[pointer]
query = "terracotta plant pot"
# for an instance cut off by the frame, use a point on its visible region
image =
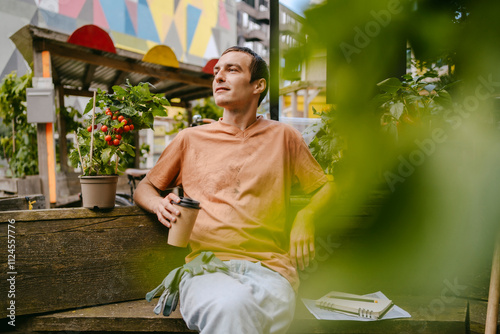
(98, 192)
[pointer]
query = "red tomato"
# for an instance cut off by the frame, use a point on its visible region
(116, 142)
(124, 121)
(131, 127)
(126, 128)
(107, 138)
(104, 128)
(110, 143)
(89, 129)
(120, 130)
(119, 137)
(120, 118)
(114, 117)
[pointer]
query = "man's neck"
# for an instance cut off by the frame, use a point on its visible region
(239, 119)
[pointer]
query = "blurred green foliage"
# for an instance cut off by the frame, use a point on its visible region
(327, 145)
(206, 109)
(435, 184)
(19, 139)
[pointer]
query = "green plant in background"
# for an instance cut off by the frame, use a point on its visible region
(180, 122)
(327, 145)
(440, 182)
(121, 114)
(412, 101)
(72, 118)
(206, 109)
(19, 142)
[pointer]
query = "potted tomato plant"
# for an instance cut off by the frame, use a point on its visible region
(104, 142)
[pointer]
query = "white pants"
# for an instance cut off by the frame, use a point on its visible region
(249, 299)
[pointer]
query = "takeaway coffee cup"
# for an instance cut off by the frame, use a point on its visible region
(179, 233)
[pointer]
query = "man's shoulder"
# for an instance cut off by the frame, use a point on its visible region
(281, 127)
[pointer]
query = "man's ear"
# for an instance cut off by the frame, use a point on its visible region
(260, 85)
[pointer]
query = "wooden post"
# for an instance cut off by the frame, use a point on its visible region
(494, 293)
(306, 102)
(45, 136)
(295, 112)
(61, 125)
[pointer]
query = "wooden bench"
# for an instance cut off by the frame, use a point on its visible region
(88, 271)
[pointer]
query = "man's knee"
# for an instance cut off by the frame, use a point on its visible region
(233, 301)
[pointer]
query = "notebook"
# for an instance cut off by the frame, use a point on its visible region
(357, 305)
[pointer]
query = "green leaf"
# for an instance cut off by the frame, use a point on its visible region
(101, 118)
(159, 111)
(390, 85)
(129, 111)
(148, 120)
(89, 106)
(407, 77)
(106, 155)
(380, 99)
(129, 149)
(118, 90)
(164, 101)
(396, 110)
(444, 99)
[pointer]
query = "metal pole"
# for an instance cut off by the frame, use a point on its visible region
(274, 59)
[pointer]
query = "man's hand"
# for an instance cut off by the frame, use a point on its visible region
(165, 211)
(302, 240)
(302, 234)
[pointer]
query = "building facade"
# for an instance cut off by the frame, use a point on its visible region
(196, 30)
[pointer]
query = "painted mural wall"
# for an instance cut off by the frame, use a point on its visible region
(196, 30)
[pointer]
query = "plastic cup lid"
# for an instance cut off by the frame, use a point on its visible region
(189, 203)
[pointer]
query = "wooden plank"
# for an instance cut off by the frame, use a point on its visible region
(138, 316)
(82, 54)
(67, 258)
(29, 186)
(22, 203)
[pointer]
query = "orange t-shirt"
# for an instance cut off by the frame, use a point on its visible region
(243, 180)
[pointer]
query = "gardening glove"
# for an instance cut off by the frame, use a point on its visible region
(205, 262)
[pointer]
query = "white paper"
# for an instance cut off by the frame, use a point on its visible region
(394, 313)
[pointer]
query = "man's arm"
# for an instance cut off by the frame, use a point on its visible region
(302, 232)
(148, 197)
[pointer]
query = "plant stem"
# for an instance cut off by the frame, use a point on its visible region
(79, 154)
(92, 131)
(116, 167)
(13, 136)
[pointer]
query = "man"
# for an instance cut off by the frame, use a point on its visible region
(242, 169)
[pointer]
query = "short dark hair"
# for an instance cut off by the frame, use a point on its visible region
(258, 67)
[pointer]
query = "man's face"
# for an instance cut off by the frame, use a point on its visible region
(231, 86)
